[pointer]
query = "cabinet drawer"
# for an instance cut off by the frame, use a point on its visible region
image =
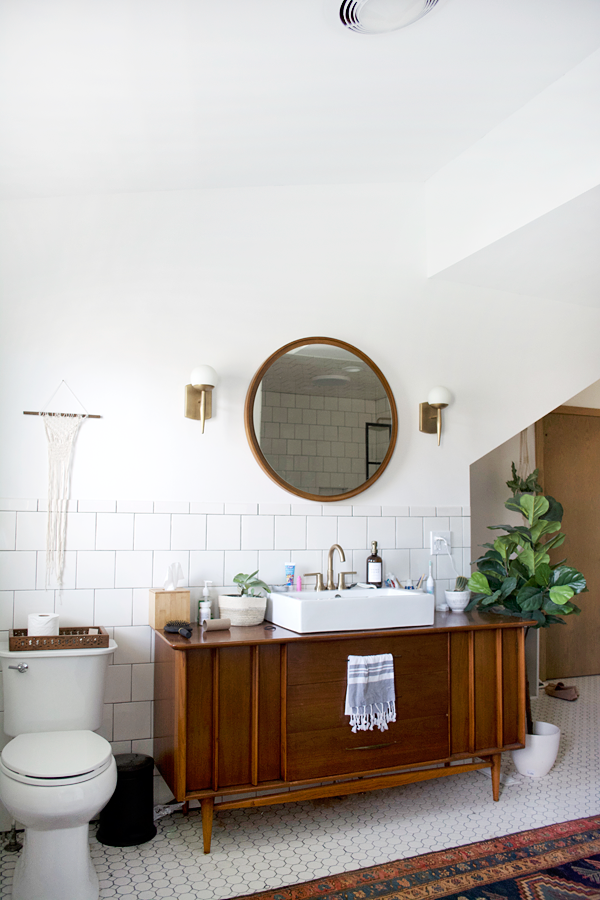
(325, 661)
(315, 708)
(337, 751)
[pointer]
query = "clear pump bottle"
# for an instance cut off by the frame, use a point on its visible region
(204, 604)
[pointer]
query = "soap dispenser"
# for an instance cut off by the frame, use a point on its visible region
(204, 604)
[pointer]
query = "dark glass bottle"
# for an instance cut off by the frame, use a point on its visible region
(374, 567)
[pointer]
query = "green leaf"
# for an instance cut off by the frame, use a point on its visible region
(555, 542)
(530, 597)
(514, 504)
(491, 554)
(479, 583)
(565, 575)
(489, 601)
(508, 587)
(505, 546)
(555, 510)
(554, 620)
(561, 594)
(533, 507)
(492, 568)
(543, 527)
(517, 569)
(241, 578)
(543, 575)
(539, 617)
(533, 559)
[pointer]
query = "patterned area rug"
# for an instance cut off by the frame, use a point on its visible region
(559, 862)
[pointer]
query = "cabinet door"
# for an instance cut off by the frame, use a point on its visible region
(233, 717)
(320, 741)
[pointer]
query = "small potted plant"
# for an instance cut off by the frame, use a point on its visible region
(458, 599)
(248, 607)
(517, 578)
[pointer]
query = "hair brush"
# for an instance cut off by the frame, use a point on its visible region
(178, 626)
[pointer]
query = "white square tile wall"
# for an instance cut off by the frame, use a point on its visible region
(117, 550)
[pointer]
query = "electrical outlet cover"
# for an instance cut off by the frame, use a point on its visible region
(436, 549)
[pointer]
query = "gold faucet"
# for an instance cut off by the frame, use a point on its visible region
(330, 585)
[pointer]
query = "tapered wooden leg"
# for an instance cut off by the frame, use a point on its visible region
(185, 808)
(207, 806)
(496, 760)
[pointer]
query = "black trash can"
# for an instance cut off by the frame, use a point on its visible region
(128, 817)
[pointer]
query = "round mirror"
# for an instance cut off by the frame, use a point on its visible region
(321, 419)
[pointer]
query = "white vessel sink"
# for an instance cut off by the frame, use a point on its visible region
(354, 609)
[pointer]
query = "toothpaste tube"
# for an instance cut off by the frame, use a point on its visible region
(290, 568)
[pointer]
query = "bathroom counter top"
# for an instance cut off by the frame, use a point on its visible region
(268, 634)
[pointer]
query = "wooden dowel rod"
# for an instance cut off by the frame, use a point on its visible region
(26, 412)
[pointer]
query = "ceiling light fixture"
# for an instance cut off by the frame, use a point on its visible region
(380, 16)
(330, 380)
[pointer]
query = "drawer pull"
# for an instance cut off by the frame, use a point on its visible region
(372, 746)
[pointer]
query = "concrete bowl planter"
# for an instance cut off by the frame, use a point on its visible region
(242, 609)
(457, 600)
(541, 749)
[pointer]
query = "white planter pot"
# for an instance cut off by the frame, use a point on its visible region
(242, 610)
(457, 600)
(540, 751)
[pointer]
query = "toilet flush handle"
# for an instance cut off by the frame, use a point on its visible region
(22, 667)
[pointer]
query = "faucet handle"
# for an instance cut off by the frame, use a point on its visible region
(342, 581)
(319, 586)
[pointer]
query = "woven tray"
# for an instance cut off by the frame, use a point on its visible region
(67, 639)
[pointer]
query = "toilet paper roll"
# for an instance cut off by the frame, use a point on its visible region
(41, 623)
(216, 624)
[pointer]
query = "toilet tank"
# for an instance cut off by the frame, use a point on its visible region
(60, 690)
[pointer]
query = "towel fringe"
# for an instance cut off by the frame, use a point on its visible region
(375, 715)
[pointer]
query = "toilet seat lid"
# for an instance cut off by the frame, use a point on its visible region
(56, 754)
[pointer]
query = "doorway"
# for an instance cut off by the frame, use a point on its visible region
(567, 443)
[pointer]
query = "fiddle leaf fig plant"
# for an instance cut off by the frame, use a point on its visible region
(248, 584)
(515, 576)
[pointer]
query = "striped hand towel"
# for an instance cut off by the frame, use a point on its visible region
(370, 692)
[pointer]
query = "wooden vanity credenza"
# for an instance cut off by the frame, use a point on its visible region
(248, 710)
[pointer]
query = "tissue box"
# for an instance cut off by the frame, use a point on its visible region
(168, 605)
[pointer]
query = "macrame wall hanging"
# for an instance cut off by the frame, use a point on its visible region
(524, 464)
(61, 431)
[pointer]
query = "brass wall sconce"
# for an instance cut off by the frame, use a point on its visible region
(198, 394)
(430, 413)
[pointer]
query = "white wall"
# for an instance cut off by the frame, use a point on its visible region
(122, 295)
(536, 160)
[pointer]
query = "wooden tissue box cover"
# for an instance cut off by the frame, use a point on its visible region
(168, 605)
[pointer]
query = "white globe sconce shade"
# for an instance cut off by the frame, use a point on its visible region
(430, 413)
(198, 394)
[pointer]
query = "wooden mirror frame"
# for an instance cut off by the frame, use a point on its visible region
(253, 440)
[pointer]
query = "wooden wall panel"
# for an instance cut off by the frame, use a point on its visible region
(235, 716)
(165, 724)
(199, 720)
(269, 713)
(461, 697)
(510, 676)
(486, 699)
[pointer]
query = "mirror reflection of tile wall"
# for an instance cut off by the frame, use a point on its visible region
(318, 444)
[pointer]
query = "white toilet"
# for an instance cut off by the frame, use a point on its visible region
(56, 773)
